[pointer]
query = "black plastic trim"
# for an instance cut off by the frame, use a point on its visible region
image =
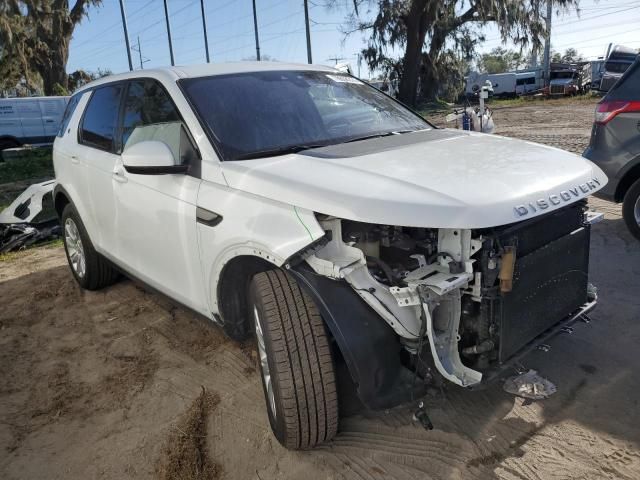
(155, 170)
(371, 349)
(203, 213)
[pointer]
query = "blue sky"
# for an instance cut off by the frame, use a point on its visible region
(98, 41)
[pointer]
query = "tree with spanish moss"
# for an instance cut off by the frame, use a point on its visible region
(433, 33)
(34, 40)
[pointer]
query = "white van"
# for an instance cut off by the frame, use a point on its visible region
(31, 120)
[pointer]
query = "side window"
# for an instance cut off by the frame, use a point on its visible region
(68, 113)
(150, 114)
(101, 117)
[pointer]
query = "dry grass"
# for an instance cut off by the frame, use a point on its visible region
(185, 456)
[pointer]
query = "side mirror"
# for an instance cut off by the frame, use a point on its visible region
(150, 157)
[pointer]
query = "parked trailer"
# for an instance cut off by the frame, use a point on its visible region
(618, 60)
(504, 84)
(528, 82)
(31, 120)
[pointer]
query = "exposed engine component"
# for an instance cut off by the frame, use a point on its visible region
(472, 298)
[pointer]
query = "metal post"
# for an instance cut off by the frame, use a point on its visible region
(166, 16)
(204, 29)
(306, 21)
(126, 34)
(140, 54)
(547, 43)
(255, 27)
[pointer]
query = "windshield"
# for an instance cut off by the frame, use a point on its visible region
(255, 114)
(562, 75)
(617, 67)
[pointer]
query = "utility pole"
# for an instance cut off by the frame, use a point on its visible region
(204, 29)
(547, 43)
(139, 50)
(306, 22)
(255, 27)
(359, 63)
(166, 17)
(126, 34)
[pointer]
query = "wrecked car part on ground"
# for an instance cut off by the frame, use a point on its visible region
(29, 219)
(464, 302)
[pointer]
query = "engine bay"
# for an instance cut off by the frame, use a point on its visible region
(473, 298)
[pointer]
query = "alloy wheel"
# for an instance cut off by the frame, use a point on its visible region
(75, 249)
(266, 374)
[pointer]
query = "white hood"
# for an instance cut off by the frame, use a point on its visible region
(433, 178)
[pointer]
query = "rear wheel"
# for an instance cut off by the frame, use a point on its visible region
(297, 368)
(90, 269)
(631, 209)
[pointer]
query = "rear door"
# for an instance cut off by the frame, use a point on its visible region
(156, 214)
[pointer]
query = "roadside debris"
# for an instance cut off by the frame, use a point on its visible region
(529, 385)
(29, 219)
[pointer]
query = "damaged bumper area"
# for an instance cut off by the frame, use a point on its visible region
(30, 219)
(464, 303)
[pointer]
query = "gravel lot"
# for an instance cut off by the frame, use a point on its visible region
(110, 384)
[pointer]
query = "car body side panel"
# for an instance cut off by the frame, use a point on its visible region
(250, 225)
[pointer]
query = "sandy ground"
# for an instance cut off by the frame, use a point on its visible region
(110, 384)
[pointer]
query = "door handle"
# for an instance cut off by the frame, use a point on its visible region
(118, 175)
(74, 160)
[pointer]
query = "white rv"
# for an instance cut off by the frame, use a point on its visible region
(504, 84)
(31, 120)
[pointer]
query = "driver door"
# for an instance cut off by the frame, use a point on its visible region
(156, 214)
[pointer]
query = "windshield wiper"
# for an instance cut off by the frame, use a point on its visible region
(274, 152)
(380, 135)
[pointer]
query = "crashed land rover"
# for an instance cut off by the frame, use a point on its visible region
(302, 206)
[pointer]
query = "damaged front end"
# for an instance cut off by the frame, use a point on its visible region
(463, 304)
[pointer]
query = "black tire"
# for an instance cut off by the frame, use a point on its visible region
(98, 272)
(299, 360)
(631, 198)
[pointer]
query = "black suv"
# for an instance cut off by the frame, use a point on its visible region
(615, 145)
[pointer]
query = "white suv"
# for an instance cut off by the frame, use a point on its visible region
(303, 205)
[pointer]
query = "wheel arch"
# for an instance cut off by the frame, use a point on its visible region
(231, 292)
(11, 138)
(60, 199)
(369, 346)
(628, 179)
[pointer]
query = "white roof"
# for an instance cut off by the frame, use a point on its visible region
(206, 69)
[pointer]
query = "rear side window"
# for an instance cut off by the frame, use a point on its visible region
(98, 128)
(150, 114)
(68, 113)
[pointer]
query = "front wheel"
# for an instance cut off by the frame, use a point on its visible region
(631, 209)
(297, 368)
